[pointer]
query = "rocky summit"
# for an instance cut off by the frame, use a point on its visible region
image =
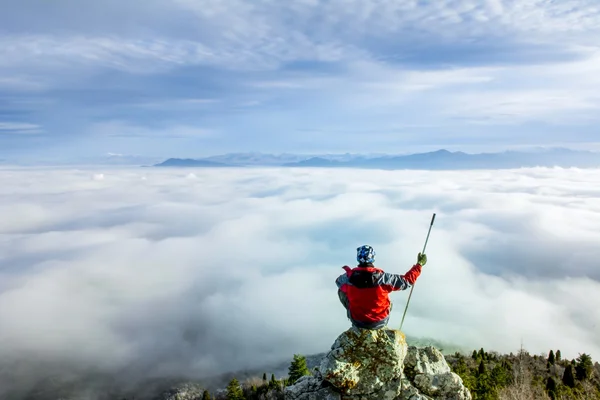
(378, 364)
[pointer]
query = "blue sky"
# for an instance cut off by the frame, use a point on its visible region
(194, 78)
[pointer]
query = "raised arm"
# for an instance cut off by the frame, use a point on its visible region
(394, 282)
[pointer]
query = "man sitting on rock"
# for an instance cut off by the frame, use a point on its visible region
(364, 290)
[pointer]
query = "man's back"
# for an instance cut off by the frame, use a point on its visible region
(364, 289)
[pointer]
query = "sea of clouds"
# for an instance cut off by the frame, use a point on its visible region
(147, 272)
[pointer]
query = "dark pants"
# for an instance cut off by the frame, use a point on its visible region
(363, 325)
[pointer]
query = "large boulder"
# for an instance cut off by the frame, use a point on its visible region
(311, 388)
(428, 371)
(363, 361)
(378, 364)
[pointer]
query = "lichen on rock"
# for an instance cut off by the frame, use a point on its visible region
(310, 388)
(430, 373)
(362, 361)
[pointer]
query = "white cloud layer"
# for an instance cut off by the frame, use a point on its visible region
(149, 272)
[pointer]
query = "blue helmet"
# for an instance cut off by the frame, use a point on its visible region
(365, 254)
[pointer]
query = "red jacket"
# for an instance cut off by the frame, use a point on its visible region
(367, 288)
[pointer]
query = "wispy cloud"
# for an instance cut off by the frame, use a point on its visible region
(124, 129)
(176, 104)
(264, 34)
(19, 128)
(142, 56)
(344, 64)
(346, 19)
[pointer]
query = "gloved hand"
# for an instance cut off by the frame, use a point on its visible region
(422, 259)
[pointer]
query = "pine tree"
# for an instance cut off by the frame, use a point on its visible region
(265, 377)
(484, 387)
(584, 367)
(234, 390)
(206, 395)
(551, 387)
(569, 377)
(551, 358)
(474, 356)
(273, 384)
(297, 368)
(482, 369)
(502, 374)
(461, 367)
(558, 356)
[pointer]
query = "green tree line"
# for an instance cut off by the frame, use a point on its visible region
(488, 375)
(258, 390)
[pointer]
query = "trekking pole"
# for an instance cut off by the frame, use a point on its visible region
(413, 286)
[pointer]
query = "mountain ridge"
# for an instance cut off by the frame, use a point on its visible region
(441, 159)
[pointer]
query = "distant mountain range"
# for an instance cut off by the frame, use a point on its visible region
(436, 160)
(188, 162)
(258, 159)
